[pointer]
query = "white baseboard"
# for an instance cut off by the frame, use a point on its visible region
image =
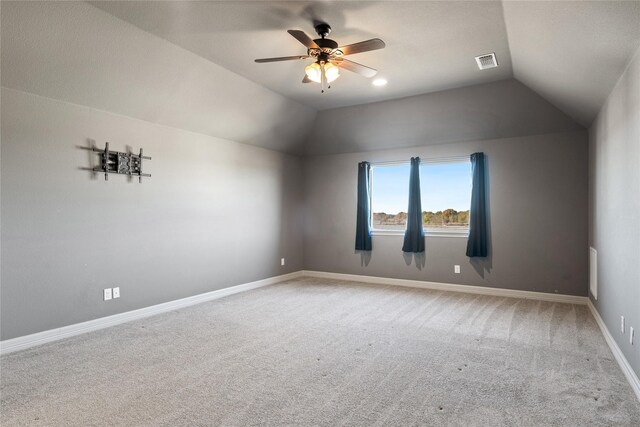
(512, 293)
(627, 370)
(32, 340)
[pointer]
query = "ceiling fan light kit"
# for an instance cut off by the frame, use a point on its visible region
(315, 71)
(328, 56)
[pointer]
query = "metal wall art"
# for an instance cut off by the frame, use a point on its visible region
(120, 163)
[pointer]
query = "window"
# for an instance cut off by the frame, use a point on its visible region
(445, 193)
(389, 196)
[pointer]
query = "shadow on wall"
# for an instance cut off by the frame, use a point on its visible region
(418, 258)
(484, 265)
(91, 157)
(365, 257)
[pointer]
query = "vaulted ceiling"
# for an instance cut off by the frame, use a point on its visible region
(430, 45)
(191, 65)
(570, 52)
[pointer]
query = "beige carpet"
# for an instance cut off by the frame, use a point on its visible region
(316, 352)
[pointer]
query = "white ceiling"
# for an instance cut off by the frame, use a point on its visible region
(430, 45)
(571, 52)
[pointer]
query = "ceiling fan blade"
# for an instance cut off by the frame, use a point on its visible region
(364, 46)
(306, 79)
(363, 70)
(303, 38)
(282, 58)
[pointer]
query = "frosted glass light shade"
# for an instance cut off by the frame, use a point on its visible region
(314, 73)
(331, 72)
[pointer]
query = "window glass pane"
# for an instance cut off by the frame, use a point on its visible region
(389, 197)
(445, 192)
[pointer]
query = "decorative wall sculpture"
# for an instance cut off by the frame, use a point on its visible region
(120, 163)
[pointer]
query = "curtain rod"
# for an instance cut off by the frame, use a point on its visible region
(450, 159)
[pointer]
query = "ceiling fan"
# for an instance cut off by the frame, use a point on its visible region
(328, 57)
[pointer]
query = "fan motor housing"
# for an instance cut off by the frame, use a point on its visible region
(326, 43)
(323, 29)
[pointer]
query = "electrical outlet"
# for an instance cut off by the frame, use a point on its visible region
(631, 335)
(281, 261)
(116, 292)
(456, 269)
(622, 324)
(107, 294)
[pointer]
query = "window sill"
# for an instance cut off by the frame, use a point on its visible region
(427, 233)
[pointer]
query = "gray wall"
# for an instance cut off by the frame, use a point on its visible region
(486, 111)
(614, 231)
(214, 214)
(538, 209)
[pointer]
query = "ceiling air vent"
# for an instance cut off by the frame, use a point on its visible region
(487, 61)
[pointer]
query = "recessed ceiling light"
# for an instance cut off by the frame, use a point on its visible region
(379, 82)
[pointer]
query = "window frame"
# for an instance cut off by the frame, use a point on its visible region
(427, 232)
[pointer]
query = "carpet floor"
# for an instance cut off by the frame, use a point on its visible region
(316, 352)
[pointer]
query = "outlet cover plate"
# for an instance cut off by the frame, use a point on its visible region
(107, 294)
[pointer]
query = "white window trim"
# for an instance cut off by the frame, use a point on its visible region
(428, 232)
(451, 159)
